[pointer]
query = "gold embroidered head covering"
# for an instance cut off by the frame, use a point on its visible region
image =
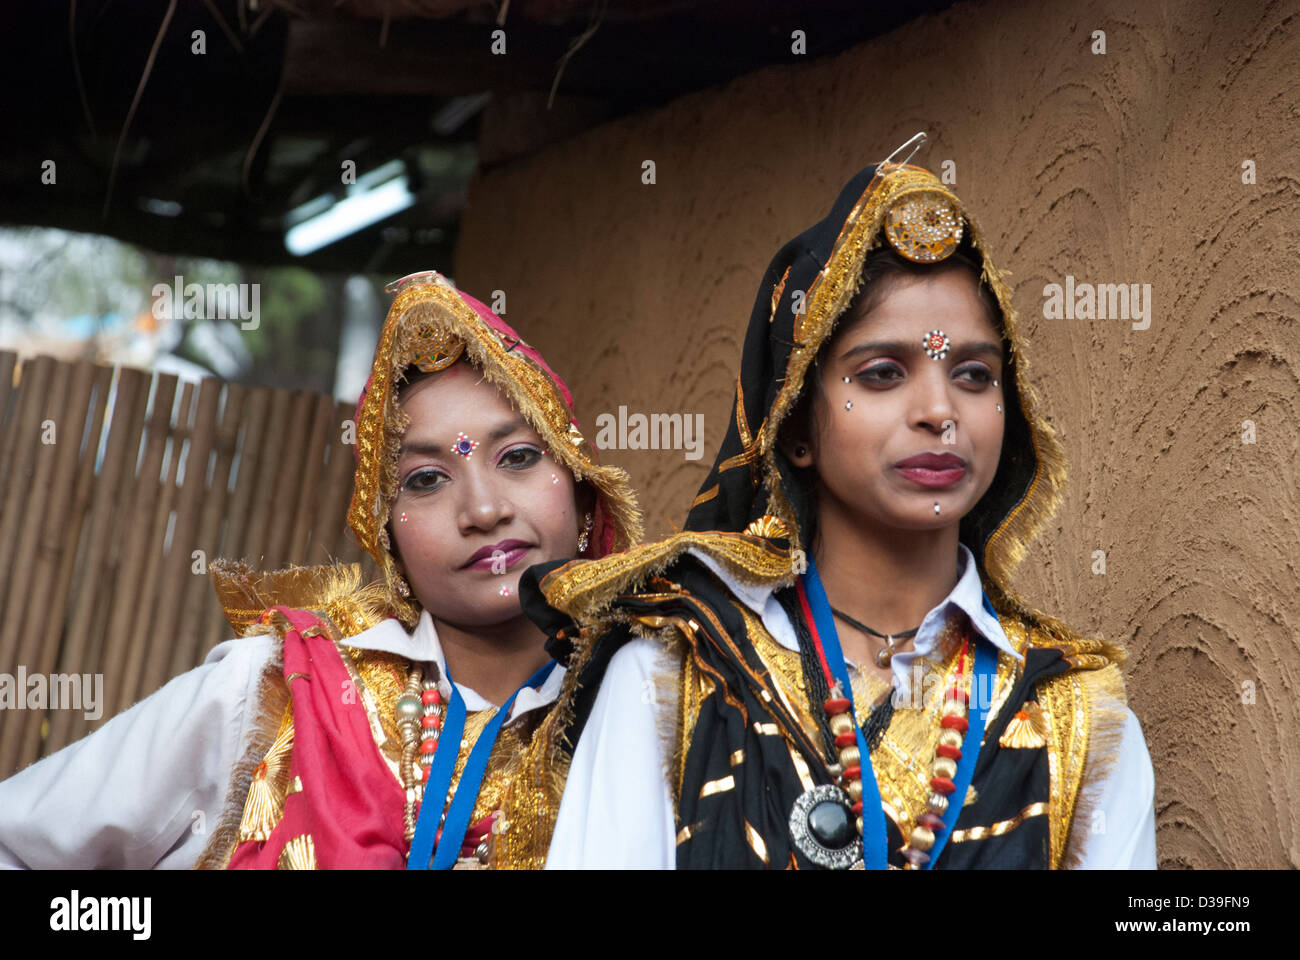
(431, 325)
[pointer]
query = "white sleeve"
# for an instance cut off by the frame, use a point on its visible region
(147, 788)
(617, 811)
(1123, 837)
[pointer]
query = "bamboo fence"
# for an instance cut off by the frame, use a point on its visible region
(116, 493)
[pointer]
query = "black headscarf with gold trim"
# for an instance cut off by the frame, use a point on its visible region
(807, 288)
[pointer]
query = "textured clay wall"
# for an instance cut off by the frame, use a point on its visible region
(1122, 167)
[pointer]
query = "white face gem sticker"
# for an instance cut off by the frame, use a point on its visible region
(554, 479)
(403, 516)
(936, 506)
(504, 591)
(995, 383)
(848, 405)
(999, 408)
(848, 380)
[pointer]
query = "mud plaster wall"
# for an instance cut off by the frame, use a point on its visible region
(1125, 167)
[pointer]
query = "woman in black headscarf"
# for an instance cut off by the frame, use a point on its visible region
(828, 666)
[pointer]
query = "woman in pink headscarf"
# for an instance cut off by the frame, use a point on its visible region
(354, 726)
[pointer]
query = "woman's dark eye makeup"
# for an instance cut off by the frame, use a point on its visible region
(519, 457)
(889, 371)
(423, 480)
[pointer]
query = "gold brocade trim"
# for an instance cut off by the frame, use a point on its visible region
(684, 834)
(1001, 827)
(585, 588)
(742, 422)
(755, 840)
(706, 496)
(743, 459)
(721, 785)
(1066, 710)
(381, 421)
(380, 679)
(801, 767)
(737, 758)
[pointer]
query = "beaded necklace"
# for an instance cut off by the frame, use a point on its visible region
(820, 821)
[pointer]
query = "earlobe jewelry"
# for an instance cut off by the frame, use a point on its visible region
(936, 344)
(464, 445)
(585, 536)
(402, 588)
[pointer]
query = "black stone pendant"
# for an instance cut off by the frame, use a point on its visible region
(831, 824)
(823, 828)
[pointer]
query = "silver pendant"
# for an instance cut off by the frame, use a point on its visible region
(836, 846)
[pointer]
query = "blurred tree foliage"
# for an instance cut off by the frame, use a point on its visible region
(50, 278)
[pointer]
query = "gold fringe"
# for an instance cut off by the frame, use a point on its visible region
(1104, 689)
(333, 589)
(272, 701)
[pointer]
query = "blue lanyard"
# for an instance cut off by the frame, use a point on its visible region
(471, 779)
(875, 852)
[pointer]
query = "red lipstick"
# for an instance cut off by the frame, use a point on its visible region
(933, 470)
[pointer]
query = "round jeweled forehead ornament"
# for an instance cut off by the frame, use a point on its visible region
(936, 344)
(436, 348)
(464, 445)
(924, 227)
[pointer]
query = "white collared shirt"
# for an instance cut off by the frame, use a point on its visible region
(145, 790)
(617, 809)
